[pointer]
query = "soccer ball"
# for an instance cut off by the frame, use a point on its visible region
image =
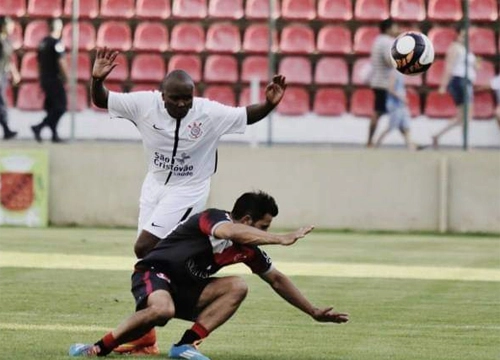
(412, 53)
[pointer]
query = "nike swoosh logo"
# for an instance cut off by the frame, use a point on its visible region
(156, 127)
(155, 225)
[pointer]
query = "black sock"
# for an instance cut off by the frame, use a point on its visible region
(103, 350)
(189, 337)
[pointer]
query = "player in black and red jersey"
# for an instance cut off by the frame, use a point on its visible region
(175, 278)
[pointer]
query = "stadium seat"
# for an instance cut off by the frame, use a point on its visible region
(187, 37)
(485, 73)
(362, 102)
(256, 39)
(297, 39)
(408, 10)
(255, 67)
(439, 105)
(225, 9)
(295, 103)
(150, 36)
(88, 9)
(9, 96)
(34, 32)
(483, 10)
(246, 96)
(482, 41)
(298, 10)
(121, 72)
(30, 97)
(330, 102)
(29, 66)
(189, 9)
(334, 10)
(17, 36)
(117, 9)
(221, 93)
(221, 69)
(331, 71)
(413, 102)
(441, 38)
(86, 36)
(189, 63)
(152, 9)
(82, 97)
(13, 8)
(334, 39)
(358, 69)
(435, 72)
(144, 87)
(223, 38)
(83, 65)
(414, 80)
(259, 9)
(484, 105)
(444, 10)
(364, 38)
(371, 10)
(147, 67)
(296, 69)
(114, 35)
(44, 8)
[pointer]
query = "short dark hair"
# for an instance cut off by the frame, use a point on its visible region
(255, 204)
(385, 25)
(3, 22)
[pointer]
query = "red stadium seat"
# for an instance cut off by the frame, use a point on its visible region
(34, 32)
(82, 97)
(9, 96)
(295, 103)
(221, 69)
(117, 9)
(88, 9)
(45, 8)
(358, 69)
(189, 63)
(297, 39)
(364, 38)
(189, 9)
(221, 93)
(30, 97)
(335, 10)
(485, 73)
(298, 9)
(256, 39)
(483, 10)
(148, 67)
(296, 69)
(144, 87)
(408, 10)
(255, 67)
(153, 9)
(13, 8)
(83, 65)
(435, 72)
(371, 10)
(414, 80)
(246, 96)
(439, 105)
(17, 36)
(444, 10)
(441, 38)
(114, 35)
(223, 38)
(86, 36)
(121, 72)
(362, 102)
(334, 39)
(187, 37)
(413, 102)
(482, 41)
(331, 71)
(259, 9)
(225, 9)
(330, 102)
(29, 66)
(150, 36)
(484, 105)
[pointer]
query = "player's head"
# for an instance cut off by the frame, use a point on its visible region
(460, 29)
(389, 27)
(256, 209)
(6, 25)
(55, 27)
(177, 91)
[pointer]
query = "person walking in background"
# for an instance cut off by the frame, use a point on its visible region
(381, 67)
(495, 86)
(6, 67)
(454, 81)
(53, 75)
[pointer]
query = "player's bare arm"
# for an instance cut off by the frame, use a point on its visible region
(104, 63)
(248, 235)
(274, 93)
(285, 288)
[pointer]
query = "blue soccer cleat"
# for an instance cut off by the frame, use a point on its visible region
(186, 351)
(83, 350)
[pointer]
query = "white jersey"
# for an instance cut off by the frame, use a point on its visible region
(180, 152)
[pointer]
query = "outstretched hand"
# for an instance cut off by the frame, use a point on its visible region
(275, 90)
(291, 238)
(329, 315)
(104, 63)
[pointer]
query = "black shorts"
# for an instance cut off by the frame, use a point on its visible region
(184, 293)
(380, 100)
(456, 88)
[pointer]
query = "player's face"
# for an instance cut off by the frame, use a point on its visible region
(263, 224)
(178, 99)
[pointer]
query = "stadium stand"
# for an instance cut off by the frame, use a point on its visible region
(413, 101)
(189, 63)
(414, 80)
(255, 67)
(88, 9)
(482, 41)
(439, 105)
(408, 10)
(150, 36)
(14, 8)
(83, 66)
(34, 32)
(259, 9)
(29, 66)
(441, 38)
(221, 69)
(189, 9)
(483, 10)
(9, 96)
(223, 37)
(433, 75)
(484, 105)
(82, 97)
(221, 93)
(148, 68)
(302, 10)
(357, 70)
(362, 102)
(485, 73)
(226, 9)
(364, 38)
(245, 96)
(17, 36)
(330, 102)
(331, 71)
(297, 39)
(329, 10)
(30, 97)
(187, 37)
(86, 35)
(256, 39)
(153, 9)
(334, 39)
(117, 9)
(371, 10)
(144, 87)
(121, 72)
(44, 8)
(444, 10)
(114, 35)
(295, 103)
(296, 69)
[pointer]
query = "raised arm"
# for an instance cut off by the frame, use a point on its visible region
(274, 93)
(104, 63)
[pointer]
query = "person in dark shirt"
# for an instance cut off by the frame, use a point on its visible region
(53, 74)
(175, 279)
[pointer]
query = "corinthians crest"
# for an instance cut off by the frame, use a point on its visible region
(195, 130)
